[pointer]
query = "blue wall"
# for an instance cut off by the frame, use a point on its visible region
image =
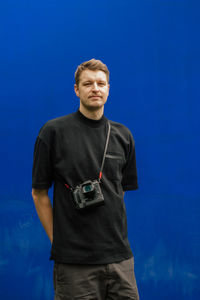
(152, 50)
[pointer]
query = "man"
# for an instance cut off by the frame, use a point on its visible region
(92, 162)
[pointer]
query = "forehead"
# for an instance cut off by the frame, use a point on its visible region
(93, 75)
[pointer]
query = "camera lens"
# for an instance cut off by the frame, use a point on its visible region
(87, 188)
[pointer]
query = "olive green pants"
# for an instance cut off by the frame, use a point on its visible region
(95, 282)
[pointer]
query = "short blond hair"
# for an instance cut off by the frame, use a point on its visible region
(94, 65)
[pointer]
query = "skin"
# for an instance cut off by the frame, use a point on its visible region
(44, 210)
(93, 91)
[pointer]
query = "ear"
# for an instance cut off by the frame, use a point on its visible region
(76, 90)
(108, 88)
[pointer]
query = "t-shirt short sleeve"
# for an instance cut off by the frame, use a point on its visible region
(42, 173)
(129, 179)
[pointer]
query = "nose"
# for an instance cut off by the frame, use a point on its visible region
(95, 87)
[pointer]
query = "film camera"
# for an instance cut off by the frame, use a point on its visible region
(88, 194)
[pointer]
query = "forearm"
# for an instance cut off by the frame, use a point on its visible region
(44, 210)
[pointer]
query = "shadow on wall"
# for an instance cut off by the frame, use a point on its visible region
(25, 270)
(165, 242)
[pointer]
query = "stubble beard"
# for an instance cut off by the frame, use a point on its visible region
(92, 108)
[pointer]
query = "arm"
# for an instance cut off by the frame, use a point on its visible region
(44, 210)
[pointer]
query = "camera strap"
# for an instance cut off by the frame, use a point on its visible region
(102, 164)
(105, 150)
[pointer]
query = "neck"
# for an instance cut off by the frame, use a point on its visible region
(92, 114)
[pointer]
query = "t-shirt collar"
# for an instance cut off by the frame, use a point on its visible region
(90, 122)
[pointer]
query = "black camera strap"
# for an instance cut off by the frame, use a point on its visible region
(103, 160)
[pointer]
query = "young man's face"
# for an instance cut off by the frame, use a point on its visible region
(93, 89)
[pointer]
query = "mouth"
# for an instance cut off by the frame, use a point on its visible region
(94, 96)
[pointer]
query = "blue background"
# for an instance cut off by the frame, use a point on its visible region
(152, 51)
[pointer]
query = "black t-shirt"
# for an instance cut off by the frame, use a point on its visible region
(71, 148)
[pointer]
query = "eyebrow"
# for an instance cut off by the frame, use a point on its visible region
(90, 80)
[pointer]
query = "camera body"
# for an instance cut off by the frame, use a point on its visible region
(88, 194)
